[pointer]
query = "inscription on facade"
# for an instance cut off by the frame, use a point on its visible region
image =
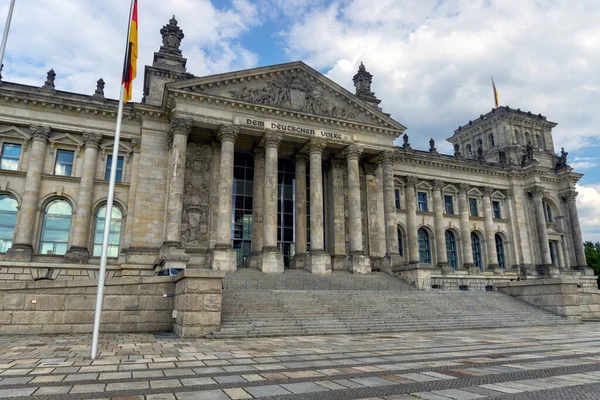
(293, 128)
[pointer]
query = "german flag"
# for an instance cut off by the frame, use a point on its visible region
(495, 92)
(130, 67)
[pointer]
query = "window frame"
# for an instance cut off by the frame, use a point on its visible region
(108, 165)
(400, 241)
(451, 197)
(5, 143)
(421, 203)
(426, 249)
(44, 225)
(12, 213)
(397, 198)
(473, 200)
(452, 261)
(476, 249)
(500, 250)
(63, 150)
(496, 211)
(548, 213)
(93, 238)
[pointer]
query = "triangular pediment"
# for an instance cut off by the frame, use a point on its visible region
(66, 139)
(293, 87)
(14, 132)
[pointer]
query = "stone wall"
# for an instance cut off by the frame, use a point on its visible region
(142, 304)
(573, 298)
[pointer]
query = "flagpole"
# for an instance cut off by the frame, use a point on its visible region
(6, 29)
(108, 215)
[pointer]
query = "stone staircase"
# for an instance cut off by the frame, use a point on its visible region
(252, 313)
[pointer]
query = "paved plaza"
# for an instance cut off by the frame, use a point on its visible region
(556, 362)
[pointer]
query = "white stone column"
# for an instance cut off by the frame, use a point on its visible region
(271, 258)
(319, 262)
(389, 209)
(537, 192)
(488, 224)
(561, 254)
(356, 261)
(258, 206)
(79, 245)
(438, 221)
(411, 220)
(337, 207)
(215, 182)
(374, 213)
(22, 248)
(223, 256)
(465, 229)
(515, 250)
(570, 198)
(299, 260)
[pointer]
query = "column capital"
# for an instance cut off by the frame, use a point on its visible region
(370, 168)
(40, 132)
(228, 133)
(316, 146)
(487, 191)
(300, 158)
(91, 139)
(463, 188)
(272, 139)
(569, 196)
(438, 184)
(411, 181)
(258, 151)
(536, 191)
(353, 151)
(181, 126)
(136, 144)
(388, 157)
(510, 194)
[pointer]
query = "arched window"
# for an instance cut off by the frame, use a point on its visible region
(8, 219)
(400, 247)
(492, 141)
(424, 250)
(538, 141)
(451, 249)
(114, 238)
(56, 227)
(476, 245)
(500, 251)
(547, 212)
(479, 145)
(518, 137)
(469, 151)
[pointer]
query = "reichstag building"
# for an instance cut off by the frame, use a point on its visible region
(273, 168)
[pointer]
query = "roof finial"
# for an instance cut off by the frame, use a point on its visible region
(171, 36)
(362, 83)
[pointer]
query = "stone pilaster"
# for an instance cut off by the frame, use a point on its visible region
(488, 225)
(356, 261)
(570, 198)
(392, 257)
(78, 252)
(465, 229)
(172, 253)
(319, 262)
(438, 221)
(411, 220)
(223, 256)
(337, 230)
(133, 185)
(258, 206)
(22, 248)
(299, 259)
(271, 258)
(537, 193)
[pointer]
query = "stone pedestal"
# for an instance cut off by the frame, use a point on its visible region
(319, 263)
(473, 269)
(19, 252)
(223, 259)
(445, 268)
(390, 261)
(77, 254)
(547, 270)
(271, 261)
(583, 270)
(298, 261)
(254, 260)
(358, 264)
(172, 255)
(418, 274)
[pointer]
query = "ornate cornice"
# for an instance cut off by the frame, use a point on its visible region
(272, 139)
(228, 132)
(91, 139)
(40, 132)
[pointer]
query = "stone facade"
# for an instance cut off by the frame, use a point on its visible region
(502, 204)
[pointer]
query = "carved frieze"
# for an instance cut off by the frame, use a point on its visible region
(196, 196)
(294, 92)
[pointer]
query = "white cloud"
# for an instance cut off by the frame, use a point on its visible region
(588, 204)
(84, 40)
(432, 60)
(580, 163)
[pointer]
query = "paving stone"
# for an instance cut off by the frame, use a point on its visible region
(458, 394)
(166, 396)
(266, 391)
(229, 379)
(203, 395)
(305, 387)
(8, 393)
(88, 388)
(49, 390)
(237, 394)
(165, 383)
(372, 381)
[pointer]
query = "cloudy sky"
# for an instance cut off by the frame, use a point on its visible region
(431, 59)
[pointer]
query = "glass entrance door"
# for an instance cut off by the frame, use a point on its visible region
(243, 179)
(286, 206)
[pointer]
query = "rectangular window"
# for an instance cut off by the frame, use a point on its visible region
(496, 209)
(473, 208)
(120, 160)
(397, 197)
(448, 204)
(422, 199)
(64, 162)
(10, 156)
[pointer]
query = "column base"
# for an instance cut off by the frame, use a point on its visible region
(472, 268)
(172, 255)
(358, 264)
(418, 275)
(548, 270)
(390, 261)
(223, 258)
(271, 261)
(19, 252)
(254, 260)
(445, 268)
(319, 263)
(298, 261)
(77, 254)
(584, 270)
(337, 262)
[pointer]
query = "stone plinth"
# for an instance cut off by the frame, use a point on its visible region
(390, 261)
(418, 274)
(271, 261)
(319, 263)
(172, 255)
(358, 264)
(223, 259)
(298, 261)
(197, 302)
